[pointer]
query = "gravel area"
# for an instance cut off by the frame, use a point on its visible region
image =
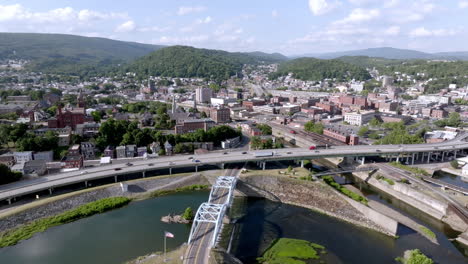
(135, 188)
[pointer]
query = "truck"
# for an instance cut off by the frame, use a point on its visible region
(262, 154)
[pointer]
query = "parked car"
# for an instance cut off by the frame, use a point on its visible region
(129, 164)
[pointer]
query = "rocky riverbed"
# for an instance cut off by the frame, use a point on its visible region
(172, 218)
(136, 189)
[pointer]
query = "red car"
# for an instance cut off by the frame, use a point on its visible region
(292, 132)
(311, 147)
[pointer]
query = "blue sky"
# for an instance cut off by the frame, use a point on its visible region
(290, 27)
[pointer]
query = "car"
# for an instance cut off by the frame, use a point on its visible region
(436, 147)
(245, 152)
(151, 164)
(195, 160)
(225, 153)
(171, 163)
(312, 147)
(129, 164)
(117, 169)
(190, 158)
(289, 152)
(378, 150)
(317, 151)
(83, 172)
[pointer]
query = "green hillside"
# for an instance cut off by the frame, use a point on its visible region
(312, 69)
(184, 61)
(69, 54)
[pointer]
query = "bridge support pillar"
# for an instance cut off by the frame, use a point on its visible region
(222, 166)
(9, 200)
(429, 157)
(170, 171)
(86, 184)
(412, 160)
(263, 165)
(398, 158)
(363, 160)
(302, 163)
(50, 191)
(443, 154)
(115, 178)
(144, 174)
(196, 168)
(455, 154)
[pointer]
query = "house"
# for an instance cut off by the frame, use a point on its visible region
(109, 152)
(72, 162)
(130, 151)
(141, 151)
(7, 159)
(155, 147)
(35, 167)
(47, 156)
(168, 148)
(121, 152)
(18, 167)
(88, 150)
(22, 157)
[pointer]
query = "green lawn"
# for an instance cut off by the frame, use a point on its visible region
(291, 251)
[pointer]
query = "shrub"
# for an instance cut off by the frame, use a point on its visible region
(188, 214)
(330, 181)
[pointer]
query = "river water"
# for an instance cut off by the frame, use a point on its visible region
(113, 237)
(264, 221)
(450, 178)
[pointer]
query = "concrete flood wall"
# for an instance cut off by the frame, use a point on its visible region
(317, 196)
(405, 193)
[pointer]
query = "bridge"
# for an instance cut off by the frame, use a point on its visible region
(209, 219)
(410, 153)
(344, 170)
(445, 185)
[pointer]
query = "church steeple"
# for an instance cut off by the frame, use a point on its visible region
(80, 99)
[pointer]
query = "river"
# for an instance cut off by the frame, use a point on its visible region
(263, 221)
(112, 237)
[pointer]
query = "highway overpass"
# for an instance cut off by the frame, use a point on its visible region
(422, 152)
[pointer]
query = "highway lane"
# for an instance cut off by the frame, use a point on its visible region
(182, 161)
(199, 248)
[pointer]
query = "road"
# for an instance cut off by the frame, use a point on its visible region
(181, 161)
(199, 249)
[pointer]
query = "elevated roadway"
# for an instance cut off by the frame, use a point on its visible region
(422, 151)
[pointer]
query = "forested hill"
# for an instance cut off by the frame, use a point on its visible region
(69, 54)
(311, 69)
(184, 61)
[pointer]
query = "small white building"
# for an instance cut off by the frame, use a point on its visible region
(22, 157)
(359, 118)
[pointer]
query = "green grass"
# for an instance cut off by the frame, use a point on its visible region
(195, 187)
(291, 251)
(330, 181)
(13, 236)
(414, 256)
(414, 170)
(389, 181)
(427, 231)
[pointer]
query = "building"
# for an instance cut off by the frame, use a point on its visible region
(109, 152)
(35, 168)
(359, 118)
(231, 143)
(290, 109)
(130, 151)
(387, 81)
(220, 115)
(121, 152)
(357, 86)
(168, 148)
(189, 126)
(47, 156)
(142, 151)
(88, 150)
(72, 162)
(22, 157)
(249, 104)
(203, 95)
(70, 117)
(74, 150)
(155, 147)
(439, 113)
(439, 136)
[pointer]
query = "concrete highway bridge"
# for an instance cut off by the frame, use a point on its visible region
(411, 153)
(209, 219)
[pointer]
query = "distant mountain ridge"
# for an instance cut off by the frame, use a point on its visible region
(391, 53)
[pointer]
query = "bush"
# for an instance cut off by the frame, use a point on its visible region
(195, 187)
(414, 170)
(188, 214)
(12, 237)
(330, 181)
(454, 164)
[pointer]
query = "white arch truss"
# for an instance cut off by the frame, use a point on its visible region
(226, 182)
(209, 213)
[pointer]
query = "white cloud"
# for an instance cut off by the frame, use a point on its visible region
(463, 4)
(274, 13)
(392, 31)
(423, 32)
(205, 20)
(359, 15)
(185, 10)
(126, 27)
(154, 29)
(320, 7)
(391, 3)
(90, 15)
(182, 40)
(239, 31)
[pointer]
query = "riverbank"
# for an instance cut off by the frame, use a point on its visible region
(137, 189)
(314, 195)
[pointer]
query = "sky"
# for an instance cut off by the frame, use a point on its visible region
(291, 27)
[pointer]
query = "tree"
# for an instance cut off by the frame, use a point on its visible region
(363, 131)
(266, 129)
(203, 115)
(375, 122)
(8, 176)
(188, 214)
(454, 164)
(314, 127)
(97, 115)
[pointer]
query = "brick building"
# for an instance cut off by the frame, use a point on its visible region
(220, 115)
(188, 126)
